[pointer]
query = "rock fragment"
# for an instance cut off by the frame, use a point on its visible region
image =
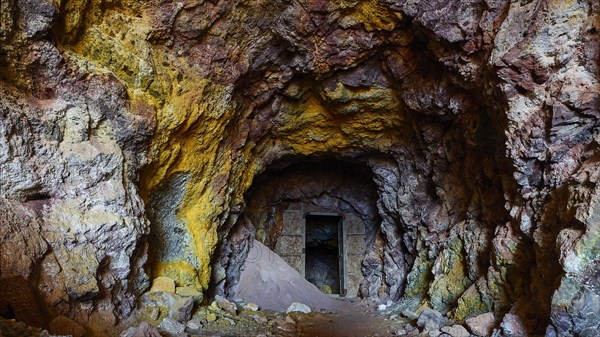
(163, 284)
(225, 305)
(430, 319)
(194, 327)
(512, 326)
(482, 325)
(298, 307)
(456, 331)
(170, 325)
(142, 330)
(181, 310)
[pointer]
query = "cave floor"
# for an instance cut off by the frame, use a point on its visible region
(353, 319)
(359, 319)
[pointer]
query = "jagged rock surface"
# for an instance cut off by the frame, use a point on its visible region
(129, 128)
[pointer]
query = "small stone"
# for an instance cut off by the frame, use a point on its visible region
(326, 289)
(152, 312)
(62, 325)
(226, 305)
(163, 284)
(194, 327)
(261, 335)
(456, 331)
(129, 332)
(194, 324)
(189, 291)
(550, 331)
(430, 319)
(251, 306)
(382, 307)
(434, 333)
(410, 314)
(211, 317)
(143, 330)
(171, 326)
(400, 332)
(409, 328)
(259, 318)
(181, 310)
(298, 307)
(512, 326)
(394, 317)
(482, 325)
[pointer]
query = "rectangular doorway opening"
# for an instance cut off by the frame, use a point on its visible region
(324, 253)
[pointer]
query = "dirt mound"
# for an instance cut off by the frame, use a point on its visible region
(270, 282)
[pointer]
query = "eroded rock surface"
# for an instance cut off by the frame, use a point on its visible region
(131, 133)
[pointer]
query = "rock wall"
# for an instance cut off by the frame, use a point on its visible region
(130, 128)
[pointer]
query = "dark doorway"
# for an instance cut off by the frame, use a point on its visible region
(324, 253)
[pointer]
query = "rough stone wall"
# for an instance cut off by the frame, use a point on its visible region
(479, 118)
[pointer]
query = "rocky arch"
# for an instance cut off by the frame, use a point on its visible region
(487, 112)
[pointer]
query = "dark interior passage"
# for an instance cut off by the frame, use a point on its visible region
(323, 249)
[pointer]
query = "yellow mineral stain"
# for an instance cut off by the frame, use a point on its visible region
(181, 271)
(190, 115)
(375, 16)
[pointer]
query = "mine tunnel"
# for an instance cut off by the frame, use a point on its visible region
(299, 168)
(320, 216)
(324, 252)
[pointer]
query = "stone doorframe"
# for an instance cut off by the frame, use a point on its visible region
(291, 243)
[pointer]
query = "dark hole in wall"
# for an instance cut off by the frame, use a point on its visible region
(37, 200)
(19, 300)
(9, 312)
(39, 196)
(323, 252)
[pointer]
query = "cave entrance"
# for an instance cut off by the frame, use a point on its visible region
(284, 205)
(324, 252)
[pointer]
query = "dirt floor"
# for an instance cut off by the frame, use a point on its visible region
(354, 319)
(358, 319)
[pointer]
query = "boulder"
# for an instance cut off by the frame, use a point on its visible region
(456, 331)
(225, 305)
(481, 325)
(189, 291)
(512, 326)
(163, 284)
(142, 330)
(298, 307)
(251, 306)
(181, 310)
(171, 326)
(194, 327)
(430, 319)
